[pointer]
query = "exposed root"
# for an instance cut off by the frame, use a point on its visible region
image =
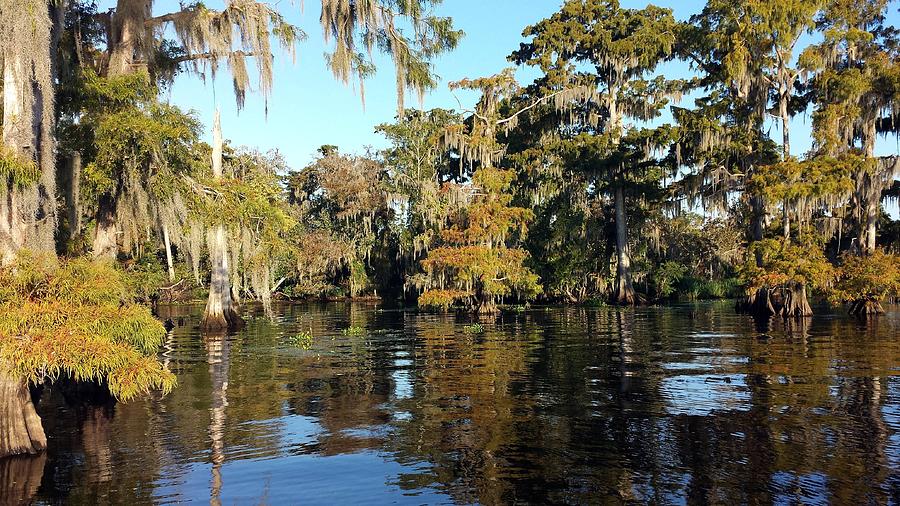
(228, 319)
(866, 307)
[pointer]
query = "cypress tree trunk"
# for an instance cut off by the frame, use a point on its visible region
(796, 303)
(220, 310)
(70, 181)
(20, 427)
(126, 36)
(168, 244)
(758, 304)
(624, 292)
(126, 33)
(868, 188)
(866, 307)
(105, 231)
(27, 214)
(872, 205)
(786, 225)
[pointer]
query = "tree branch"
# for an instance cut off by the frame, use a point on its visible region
(205, 56)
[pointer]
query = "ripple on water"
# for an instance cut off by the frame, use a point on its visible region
(689, 404)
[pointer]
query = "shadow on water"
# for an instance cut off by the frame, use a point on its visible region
(558, 405)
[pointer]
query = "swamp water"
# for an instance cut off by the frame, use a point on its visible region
(559, 405)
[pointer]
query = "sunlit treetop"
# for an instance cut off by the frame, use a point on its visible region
(872, 277)
(856, 76)
(782, 264)
(599, 55)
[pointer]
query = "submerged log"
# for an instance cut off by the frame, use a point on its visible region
(21, 431)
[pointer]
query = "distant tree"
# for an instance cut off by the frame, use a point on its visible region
(418, 163)
(855, 89)
(240, 205)
(474, 264)
(604, 54)
(865, 282)
(779, 281)
(341, 202)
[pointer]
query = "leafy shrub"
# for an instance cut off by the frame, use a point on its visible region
(76, 319)
(302, 340)
(354, 331)
(475, 328)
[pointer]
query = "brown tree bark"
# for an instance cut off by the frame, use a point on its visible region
(70, 187)
(795, 302)
(105, 244)
(866, 307)
(624, 291)
(220, 310)
(28, 214)
(21, 431)
(127, 37)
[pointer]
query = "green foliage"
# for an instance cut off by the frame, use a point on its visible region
(666, 277)
(144, 277)
(303, 340)
(871, 277)
(147, 144)
(806, 181)
(354, 331)
(417, 162)
(21, 172)
(773, 263)
(475, 328)
(77, 319)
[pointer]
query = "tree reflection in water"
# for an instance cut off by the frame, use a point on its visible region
(678, 404)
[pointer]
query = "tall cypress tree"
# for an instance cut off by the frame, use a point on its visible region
(605, 54)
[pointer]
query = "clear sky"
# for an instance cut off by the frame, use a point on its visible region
(308, 108)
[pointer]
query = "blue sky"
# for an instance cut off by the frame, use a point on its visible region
(308, 108)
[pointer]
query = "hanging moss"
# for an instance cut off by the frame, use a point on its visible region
(21, 172)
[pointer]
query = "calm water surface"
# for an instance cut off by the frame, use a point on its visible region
(689, 404)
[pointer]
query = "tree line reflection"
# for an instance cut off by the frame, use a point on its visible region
(563, 405)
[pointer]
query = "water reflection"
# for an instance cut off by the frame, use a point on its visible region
(660, 405)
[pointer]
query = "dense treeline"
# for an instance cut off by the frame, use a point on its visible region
(603, 180)
(93, 164)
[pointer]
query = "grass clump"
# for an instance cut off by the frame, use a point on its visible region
(302, 340)
(354, 331)
(475, 328)
(76, 319)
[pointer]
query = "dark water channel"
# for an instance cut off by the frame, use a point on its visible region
(687, 404)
